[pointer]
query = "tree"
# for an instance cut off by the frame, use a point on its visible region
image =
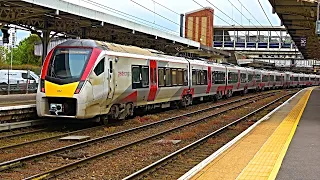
(3, 54)
(24, 53)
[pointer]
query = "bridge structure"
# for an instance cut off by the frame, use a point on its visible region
(255, 39)
(48, 18)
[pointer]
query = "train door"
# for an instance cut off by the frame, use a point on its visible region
(110, 77)
(98, 80)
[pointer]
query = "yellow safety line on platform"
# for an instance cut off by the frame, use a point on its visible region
(266, 163)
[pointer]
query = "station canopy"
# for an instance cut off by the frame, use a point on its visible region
(74, 20)
(299, 17)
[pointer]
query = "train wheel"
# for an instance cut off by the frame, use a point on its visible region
(104, 120)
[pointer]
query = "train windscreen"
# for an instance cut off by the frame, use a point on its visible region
(67, 64)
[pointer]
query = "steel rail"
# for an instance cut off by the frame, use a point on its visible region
(75, 164)
(198, 142)
(22, 133)
(48, 138)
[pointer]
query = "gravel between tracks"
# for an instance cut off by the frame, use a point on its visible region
(35, 148)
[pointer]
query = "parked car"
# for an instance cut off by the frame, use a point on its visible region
(18, 77)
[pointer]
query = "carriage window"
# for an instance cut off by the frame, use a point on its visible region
(265, 78)
(174, 76)
(219, 77)
(198, 77)
(99, 69)
(168, 77)
(272, 78)
(185, 75)
(296, 78)
(136, 74)
(243, 78)
(250, 77)
(232, 77)
(278, 78)
(213, 78)
(205, 77)
(145, 76)
(194, 77)
(140, 77)
(161, 77)
(180, 77)
(258, 77)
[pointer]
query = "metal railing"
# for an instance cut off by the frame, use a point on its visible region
(18, 88)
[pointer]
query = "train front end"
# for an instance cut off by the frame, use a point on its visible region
(64, 90)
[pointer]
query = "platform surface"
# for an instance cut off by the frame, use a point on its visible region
(302, 160)
(17, 99)
(259, 154)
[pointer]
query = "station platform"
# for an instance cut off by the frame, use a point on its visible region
(283, 145)
(17, 99)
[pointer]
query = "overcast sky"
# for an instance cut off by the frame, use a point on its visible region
(172, 20)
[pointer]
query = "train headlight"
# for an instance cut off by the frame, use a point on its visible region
(77, 91)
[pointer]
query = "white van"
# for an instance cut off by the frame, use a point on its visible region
(17, 77)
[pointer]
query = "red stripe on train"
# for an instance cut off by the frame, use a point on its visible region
(209, 80)
(94, 55)
(153, 81)
(46, 64)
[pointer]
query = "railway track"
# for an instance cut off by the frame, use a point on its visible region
(53, 171)
(194, 152)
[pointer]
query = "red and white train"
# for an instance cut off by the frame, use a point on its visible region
(91, 79)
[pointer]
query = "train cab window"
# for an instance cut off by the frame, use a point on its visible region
(243, 78)
(174, 77)
(161, 77)
(180, 78)
(140, 77)
(99, 69)
(168, 77)
(194, 77)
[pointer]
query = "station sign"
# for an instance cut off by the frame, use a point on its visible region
(303, 41)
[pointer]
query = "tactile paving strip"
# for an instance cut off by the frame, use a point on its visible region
(266, 163)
